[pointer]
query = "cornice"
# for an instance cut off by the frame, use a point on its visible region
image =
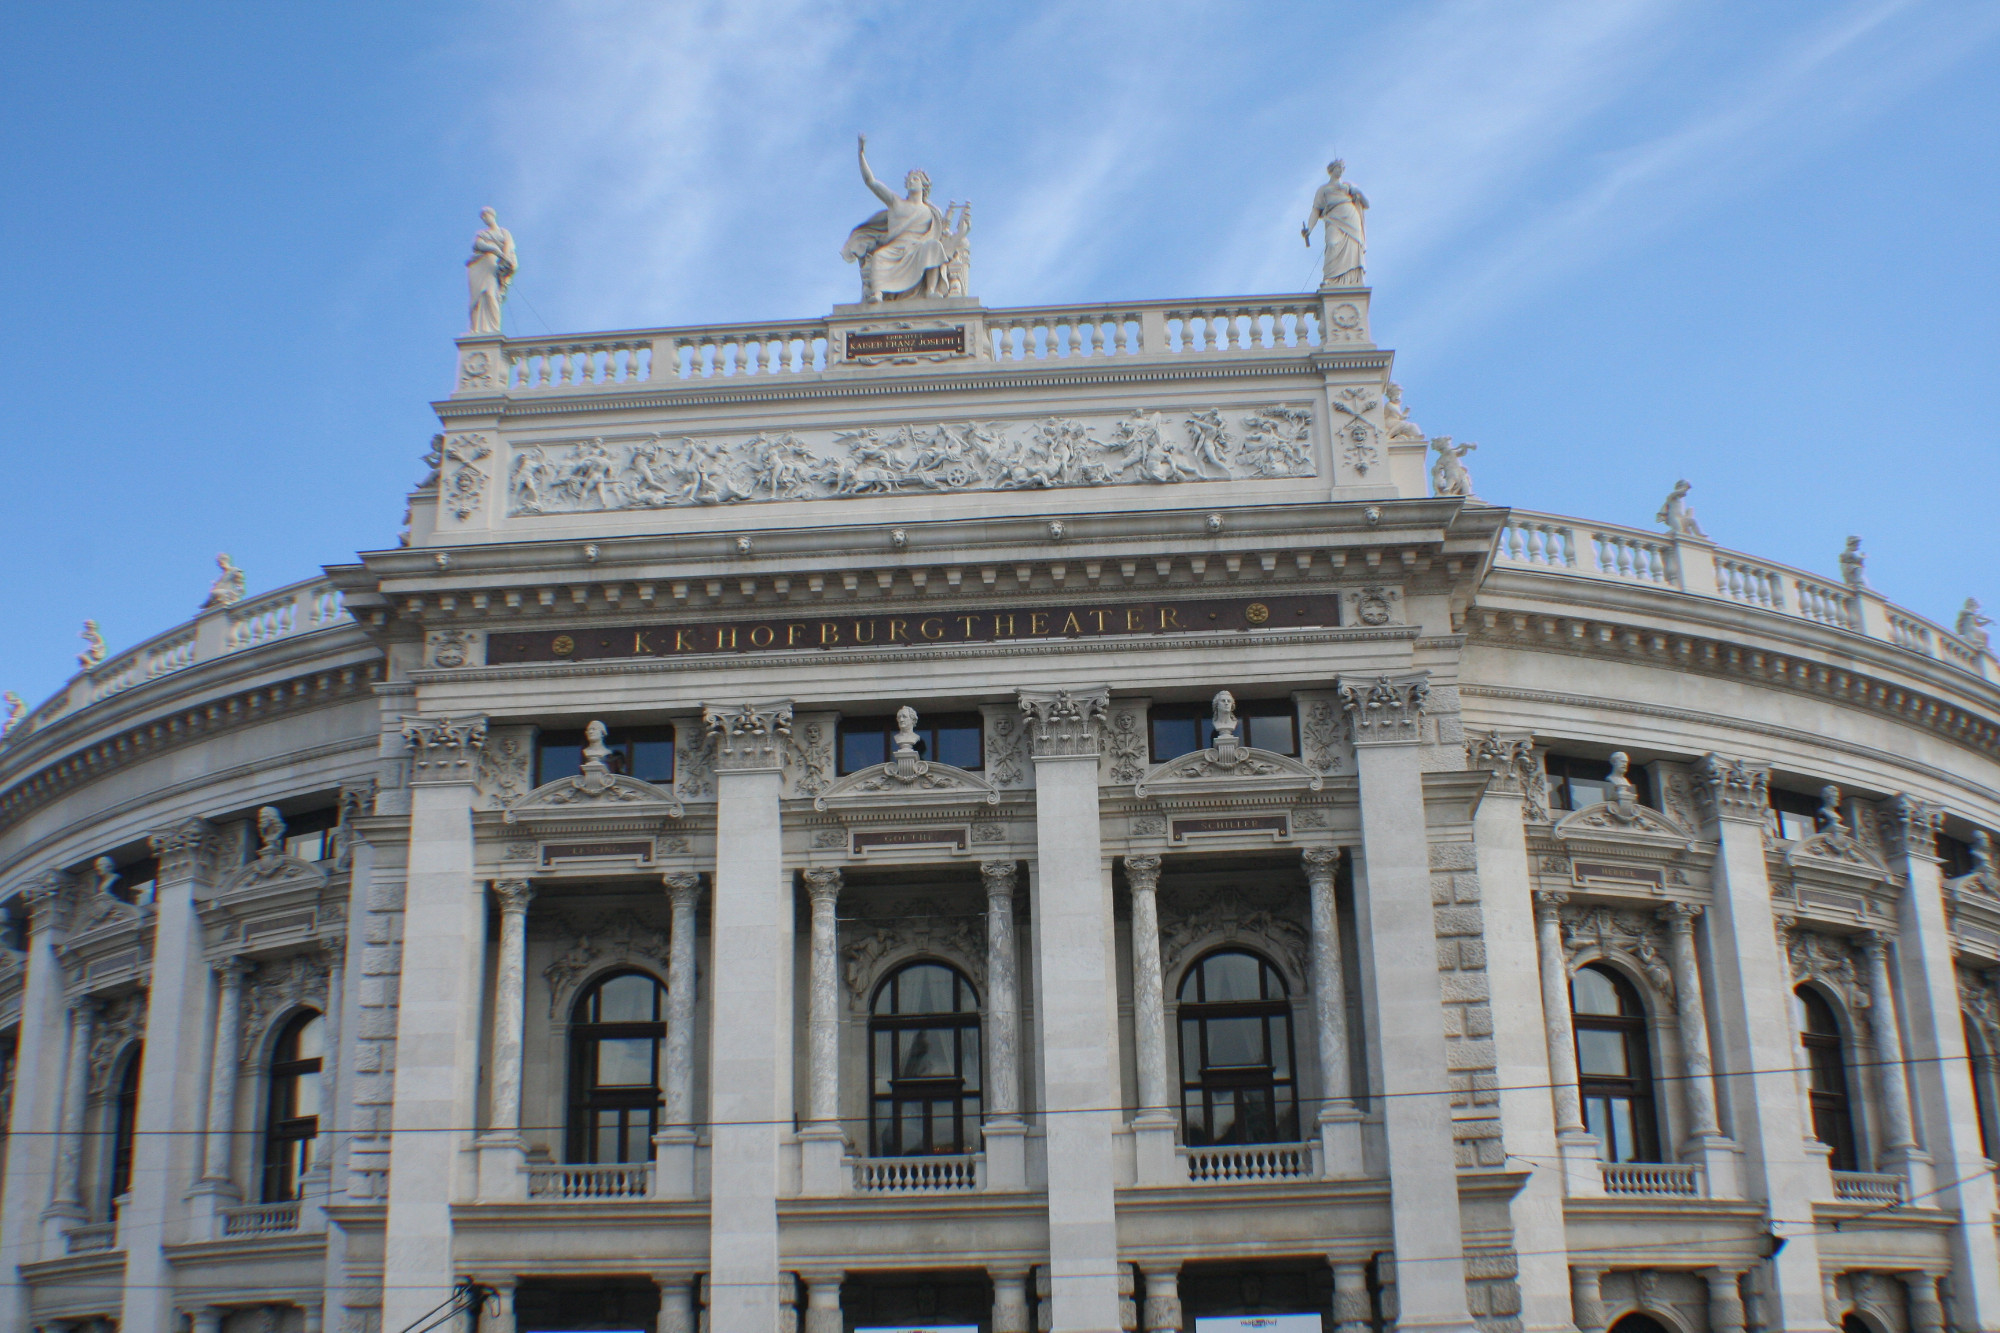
(1190, 368)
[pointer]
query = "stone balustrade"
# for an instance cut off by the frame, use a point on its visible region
(260, 1219)
(1867, 1187)
(628, 1180)
(1249, 1163)
(1549, 543)
(917, 1175)
(92, 1238)
(1652, 1180)
(301, 608)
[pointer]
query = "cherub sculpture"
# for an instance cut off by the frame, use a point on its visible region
(1677, 516)
(93, 651)
(1448, 474)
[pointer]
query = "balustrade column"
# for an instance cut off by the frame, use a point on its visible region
(1892, 1087)
(821, 1143)
(1004, 1135)
(217, 1168)
(674, 1145)
(502, 1153)
(1339, 1121)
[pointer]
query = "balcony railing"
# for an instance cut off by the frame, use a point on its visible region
(300, 609)
(917, 1175)
(1264, 1161)
(260, 1219)
(1652, 1180)
(1552, 544)
(89, 1239)
(1867, 1187)
(629, 1180)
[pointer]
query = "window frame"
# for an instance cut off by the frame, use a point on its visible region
(1556, 770)
(619, 740)
(586, 1099)
(322, 822)
(1201, 1080)
(286, 1133)
(1634, 1089)
(928, 726)
(1835, 1103)
(1203, 717)
(1796, 809)
(966, 1095)
(124, 1114)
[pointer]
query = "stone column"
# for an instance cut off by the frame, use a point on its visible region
(1926, 1310)
(1725, 1300)
(1520, 1042)
(1759, 1050)
(822, 1145)
(1351, 1311)
(1163, 1296)
(66, 1204)
(1575, 1145)
(1393, 908)
(217, 1186)
(1339, 1121)
(1586, 1299)
(40, 1053)
(1153, 1126)
(318, 1187)
(502, 1153)
(674, 1146)
(1892, 1088)
(206, 1319)
(823, 1300)
(1010, 1300)
(1004, 1134)
(1947, 1116)
(677, 1302)
(1705, 1145)
(166, 1158)
(438, 1022)
(750, 1085)
(1074, 953)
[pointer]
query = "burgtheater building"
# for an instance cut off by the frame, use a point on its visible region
(1054, 818)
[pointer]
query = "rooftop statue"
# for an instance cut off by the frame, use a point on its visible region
(489, 271)
(1448, 474)
(1677, 517)
(1340, 206)
(1851, 564)
(93, 652)
(909, 248)
(17, 708)
(1971, 625)
(1397, 416)
(227, 590)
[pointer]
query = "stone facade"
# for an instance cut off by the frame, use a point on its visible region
(1083, 838)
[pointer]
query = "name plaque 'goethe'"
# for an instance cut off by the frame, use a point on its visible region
(1101, 620)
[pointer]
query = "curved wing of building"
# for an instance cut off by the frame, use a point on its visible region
(946, 816)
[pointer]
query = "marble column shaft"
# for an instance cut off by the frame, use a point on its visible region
(75, 1101)
(510, 1000)
(1003, 995)
(823, 1000)
(40, 1054)
(1893, 1087)
(1149, 1009)
(683, 892)
(1563, 1078)
(1698, 1089)
(1328, 982)
(223, 1066)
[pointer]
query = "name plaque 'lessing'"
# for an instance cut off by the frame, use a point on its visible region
(1115, 620)
(907, 342)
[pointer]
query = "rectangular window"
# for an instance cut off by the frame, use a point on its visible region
(309, 835)
(957, 739)
(1954, 856)
(1263, 724)
(136, 880)
(1576, 783)
(645, 753)
(1795, 813)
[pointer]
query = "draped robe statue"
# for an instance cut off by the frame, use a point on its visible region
(491, 268)
(903, 250)
(1340, 206)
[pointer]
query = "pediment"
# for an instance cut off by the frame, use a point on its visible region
(1228, 768)
(272, 870)
(1836, 850)
(95, 910)
(1626, 822)
(907, 781)
(594, 792)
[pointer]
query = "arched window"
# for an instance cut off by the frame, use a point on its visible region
(616, 1030)
(291, 1116)
(1614, 1067)
(124, 1128)
(1826, 1071)
(1237, 1084)
(1638, 1323)
(1984, 1074)
(923, 1063)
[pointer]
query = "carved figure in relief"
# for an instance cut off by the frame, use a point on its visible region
(103, 874)
(1397, 417)
(958, 251)
(906, 731)
(17, 709)
(93, 650)
(1448, 474)
(1340, 207)
(902, 250)
(1224, 714)
(1982, 857)
(1827, 819)
(1209, 438)
(229, 585)
(1138, 437)
(1971, 625)
(490, 271)
(1851, 564)
(1676, 516)
(1279, 442)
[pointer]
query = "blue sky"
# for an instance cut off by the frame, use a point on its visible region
(1615, 242)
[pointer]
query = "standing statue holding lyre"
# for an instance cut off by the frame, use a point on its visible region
(1340, 206)
(908, 249)
(489, 271)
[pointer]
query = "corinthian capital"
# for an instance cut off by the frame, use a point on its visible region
(998, 877)
(1731, 789)
(1509, 758)
(1384, 710)
(186, 850)
(1321, 863)
(683, 887)
(1912, 826)
(514, 895)
(444, 749)
(749, 738)
(1142, 873)
(823, 883)
(1065, 722)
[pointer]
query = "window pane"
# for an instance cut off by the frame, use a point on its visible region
(625, 1062)
(307, 846)
(912, 1128)
(958, 746)
(926, 1054)
(302, 1157)
(925, 989)
(1587, 792)
(1236, 1041)
(305, 1095)
(1270, 733)
(885, 1060)
(308, 1040)
(558, 759)
(653, 761)
(1592, 992)
(1280, 1047)
(608, 1138)
(859, 749)
(1174, 737)
(1627, 1147)
(1601, 1052)
(1230, 976)
(1222, 1117)
(1597, 1119)
(1190, 1049)
(627, 999)
(968, 1046)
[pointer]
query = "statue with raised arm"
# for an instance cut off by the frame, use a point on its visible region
(1448, 473)
(1852, 562)
(902, 250)
(489, 271)
(1971, 625)
(93, 651)
(17, 708)
(1676, 515)
(1340, 207)
(958, 251)
(229, 586)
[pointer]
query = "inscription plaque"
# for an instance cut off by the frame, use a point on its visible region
(1650, 877)
(582, 851)
(871, 839)
(1278, 826)
(908, 342)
